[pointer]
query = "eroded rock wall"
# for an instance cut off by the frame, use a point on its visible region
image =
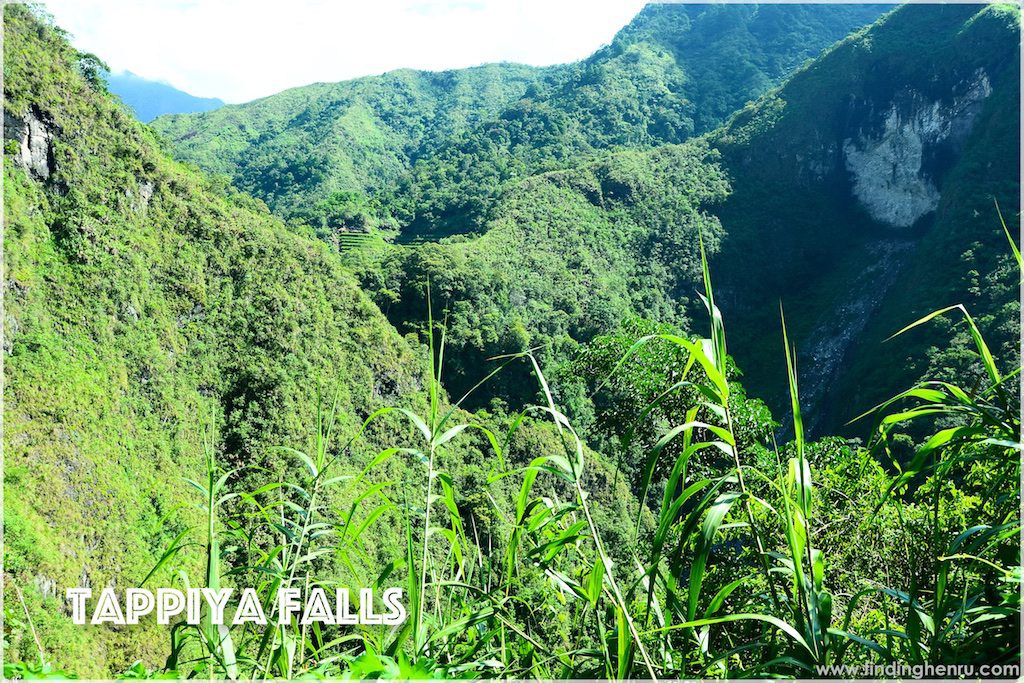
(888, 166)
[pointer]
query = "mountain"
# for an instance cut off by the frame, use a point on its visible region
(154, 317)
(567, 255)
(816, 145)
(810, 214)
(661, 80)
(731, 53)
(297, 147)
(863, 197)
(150, 99)
(145, 305)
(603, 497)
(675, 71)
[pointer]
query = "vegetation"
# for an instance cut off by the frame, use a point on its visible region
(794, 228)
(673, 72)
(726, 576)
(434, 149)
(522, 427)
(294, 149)
(788, 215)
(569, 255)
(141, 296)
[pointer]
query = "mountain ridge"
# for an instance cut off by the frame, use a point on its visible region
(630, 93)
(378, 121)
(813, 203)
(149, 99)
(155, 314)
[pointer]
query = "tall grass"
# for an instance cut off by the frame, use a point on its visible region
(727, 575)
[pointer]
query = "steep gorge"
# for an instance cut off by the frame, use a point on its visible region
(144, 300)
(846, 180)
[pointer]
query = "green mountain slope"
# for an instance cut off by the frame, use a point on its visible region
(807, 201)
(142, 302)
(567, 255)
(730, 53)
(675, 71)
(147, 304)
(149, 307)
(297, 147)
(467, 132)
(859, 189)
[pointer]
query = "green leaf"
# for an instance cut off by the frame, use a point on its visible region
(712, 520)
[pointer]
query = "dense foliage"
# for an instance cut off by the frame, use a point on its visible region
(559, 461)
(435, 148)
(569, 255)
(294, 149)
(140, 297)
(795, 229)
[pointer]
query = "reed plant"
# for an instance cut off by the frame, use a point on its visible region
(726, 576)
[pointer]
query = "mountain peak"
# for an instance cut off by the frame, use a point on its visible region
(149, 98)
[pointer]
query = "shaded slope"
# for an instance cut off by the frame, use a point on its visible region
(567, 255)
(886, 154)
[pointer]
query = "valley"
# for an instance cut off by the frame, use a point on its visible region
(572, 355)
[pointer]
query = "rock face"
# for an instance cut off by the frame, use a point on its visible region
(140, 199)
(839, 328)
(35, 138)
(888, 167)
(886, 171)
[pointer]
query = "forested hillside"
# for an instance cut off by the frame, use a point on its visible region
(864, 196)
(510, 339)
(568, 255)
(433, 150)
(808, 215)
(675, 71)
(143, 305)
(153, 314)
(296, 148)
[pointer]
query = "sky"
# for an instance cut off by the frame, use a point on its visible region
(239, 50)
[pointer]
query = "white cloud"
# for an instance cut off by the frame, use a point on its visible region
(239, 50)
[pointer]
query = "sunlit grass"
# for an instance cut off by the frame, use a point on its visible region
(669, 611)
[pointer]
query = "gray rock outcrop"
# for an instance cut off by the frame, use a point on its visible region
(35, 140)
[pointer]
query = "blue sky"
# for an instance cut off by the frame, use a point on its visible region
(240, 50)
